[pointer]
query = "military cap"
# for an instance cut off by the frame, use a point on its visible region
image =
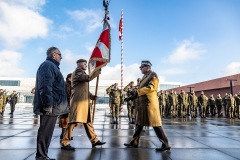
(81, 60)
(145, 63)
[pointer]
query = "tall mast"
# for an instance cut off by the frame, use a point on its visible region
(122, 52)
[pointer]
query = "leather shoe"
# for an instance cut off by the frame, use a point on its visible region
(161, 149)
(68, 147)
(130, 145)
(98, 143)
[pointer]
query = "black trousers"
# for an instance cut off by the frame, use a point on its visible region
(162, 136)
(45, 132)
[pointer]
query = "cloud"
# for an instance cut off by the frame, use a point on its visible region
(89, 47)
(186, 51)
(232, 68)
(35, 5)
(70, 58)
(130, 73)
(19, 23)
(10, 64)
(91, 19)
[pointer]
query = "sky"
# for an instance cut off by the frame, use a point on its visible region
(186, 41)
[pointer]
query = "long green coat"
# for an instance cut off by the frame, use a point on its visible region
(148, 109)
(80, 97)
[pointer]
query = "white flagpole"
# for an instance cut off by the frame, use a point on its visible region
(122, 52)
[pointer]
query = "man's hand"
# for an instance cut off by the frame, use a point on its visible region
(93, 97)
(47, 111)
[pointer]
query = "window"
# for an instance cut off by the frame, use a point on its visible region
(9, 83)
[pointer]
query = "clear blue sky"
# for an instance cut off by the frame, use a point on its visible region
(187, 41)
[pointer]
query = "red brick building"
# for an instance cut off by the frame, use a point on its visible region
(215, 86)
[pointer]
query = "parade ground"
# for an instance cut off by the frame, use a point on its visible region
(191, 139)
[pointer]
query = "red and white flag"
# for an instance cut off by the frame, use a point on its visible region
(120, 28)
(101, 53)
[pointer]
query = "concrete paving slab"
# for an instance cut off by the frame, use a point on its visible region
(198, 139)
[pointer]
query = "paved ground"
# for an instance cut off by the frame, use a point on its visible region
(191, 139)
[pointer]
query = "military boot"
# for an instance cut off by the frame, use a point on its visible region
(129, 120)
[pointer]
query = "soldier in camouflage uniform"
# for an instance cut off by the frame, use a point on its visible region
(193, 101)
(13, 100)
(182, 102)
(167, 107)
(231, 107)
(4, 101)
(225, 104)
(219, 105)
(162, 103)
(237, 108)
(116, 100)
(212, 105)
(172, 100)
(202, 101)
(130, 103)
(108, 90)
(1, 101)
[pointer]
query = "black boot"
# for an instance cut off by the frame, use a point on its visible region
(133, 121)
(129, 119)
(116, 120)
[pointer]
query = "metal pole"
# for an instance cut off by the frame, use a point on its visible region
(231, 85)
(122, 52)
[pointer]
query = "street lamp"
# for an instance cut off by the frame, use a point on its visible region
(190, 89)
(231, 80)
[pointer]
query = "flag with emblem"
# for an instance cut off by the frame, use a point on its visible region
(101, 53)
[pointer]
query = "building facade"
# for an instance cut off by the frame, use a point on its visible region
(223, 85)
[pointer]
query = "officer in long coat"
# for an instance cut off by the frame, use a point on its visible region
(148, 110)
(80, 106)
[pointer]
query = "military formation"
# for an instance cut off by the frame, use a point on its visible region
(173, 104)
(12, 99)
(189, 105)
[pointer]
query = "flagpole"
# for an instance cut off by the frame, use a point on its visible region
(105, 5)
(94, 106)
(122, 52)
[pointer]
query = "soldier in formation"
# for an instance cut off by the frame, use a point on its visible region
(172, 100)
(130, 103)
(116, 101)
(108, 90)
(202, 101)
(219, 105)
(1, 101)
(237, 108)
(182, 104)
(162, 103)
(13, 99)
(192, 101)
(212, 105)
